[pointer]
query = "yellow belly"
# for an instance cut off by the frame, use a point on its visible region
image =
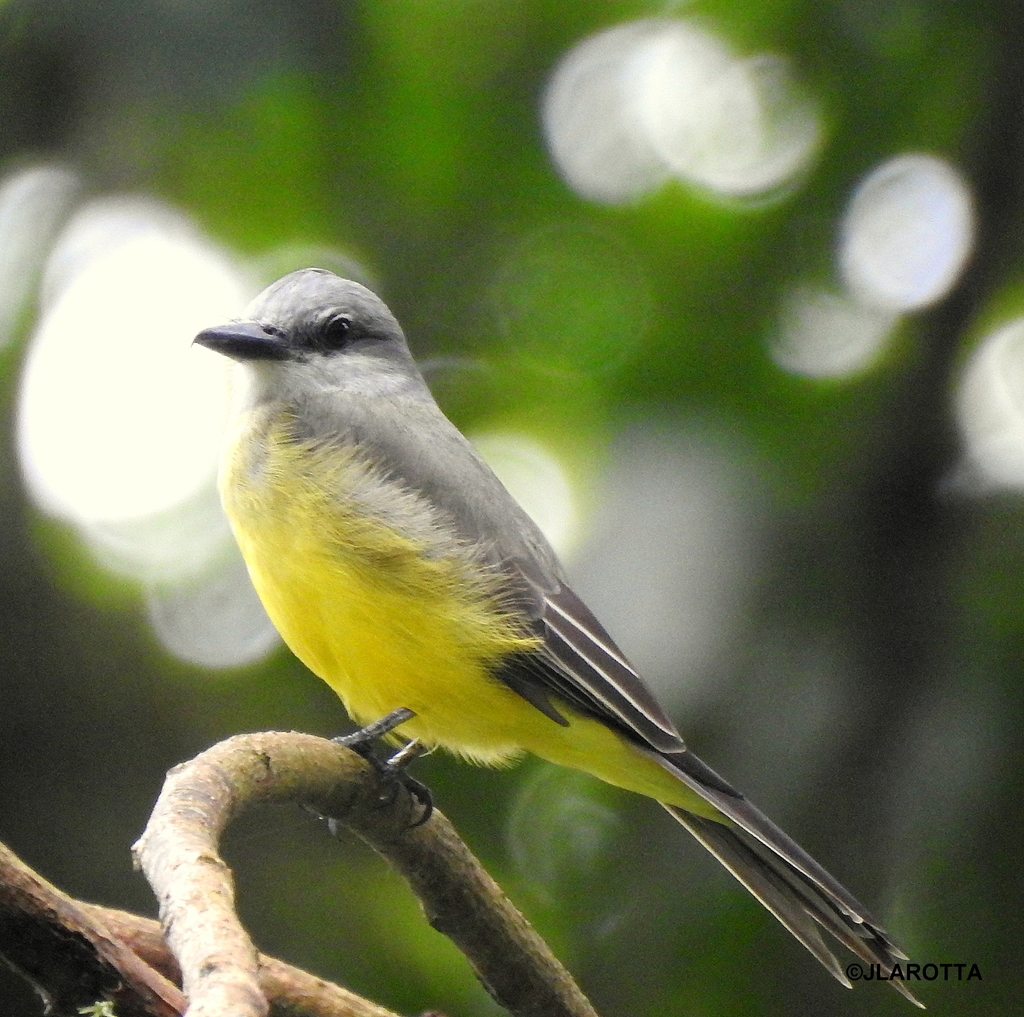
(387, 626)
(365, 610)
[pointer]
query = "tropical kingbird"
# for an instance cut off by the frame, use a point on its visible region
(398, 568)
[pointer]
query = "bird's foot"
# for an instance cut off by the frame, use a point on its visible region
(393, 769)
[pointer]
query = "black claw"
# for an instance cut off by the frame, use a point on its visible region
(421, 794)
(396, 768)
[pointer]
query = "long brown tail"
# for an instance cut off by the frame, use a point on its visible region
(781, 875)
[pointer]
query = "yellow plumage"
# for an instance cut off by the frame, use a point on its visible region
(388, 626)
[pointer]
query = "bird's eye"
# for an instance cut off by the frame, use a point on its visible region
(335, 331)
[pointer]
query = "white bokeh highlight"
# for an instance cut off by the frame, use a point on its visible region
(214, 620)
(656, 98)
(904, 240)
(738, 127)
(829, 335)
(906, 234)
(990, 409)
(121, 419)
(33, 203)
(597, 141)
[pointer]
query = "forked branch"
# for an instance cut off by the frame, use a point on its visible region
(220, 968)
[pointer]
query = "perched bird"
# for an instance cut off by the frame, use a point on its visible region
(398, 568)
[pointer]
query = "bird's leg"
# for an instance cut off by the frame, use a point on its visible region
(360, 740)
(393, 768)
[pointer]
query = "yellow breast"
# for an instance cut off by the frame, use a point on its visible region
(363, 605)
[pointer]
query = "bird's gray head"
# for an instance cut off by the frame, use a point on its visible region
(310, 317)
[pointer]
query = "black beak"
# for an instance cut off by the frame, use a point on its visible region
(245, 340)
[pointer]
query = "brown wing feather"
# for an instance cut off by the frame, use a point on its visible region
(590, 670)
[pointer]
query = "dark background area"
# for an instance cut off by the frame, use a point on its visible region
(864, 684)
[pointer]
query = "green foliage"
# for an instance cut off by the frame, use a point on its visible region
(102, 1009)
(880, 592)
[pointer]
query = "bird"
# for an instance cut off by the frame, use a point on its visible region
(398, 568)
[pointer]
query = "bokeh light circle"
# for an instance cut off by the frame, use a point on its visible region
(907, 233)
(637, 103)
(119, 417)
(829, 335)
(596, 140)
(990, 408)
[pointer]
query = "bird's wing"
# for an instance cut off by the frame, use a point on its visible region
(581, 663)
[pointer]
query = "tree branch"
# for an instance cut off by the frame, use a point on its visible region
(76, 954)
(290, 990)
(68, 954)
(220, 967)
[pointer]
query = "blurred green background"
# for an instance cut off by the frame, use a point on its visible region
(820, 569)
